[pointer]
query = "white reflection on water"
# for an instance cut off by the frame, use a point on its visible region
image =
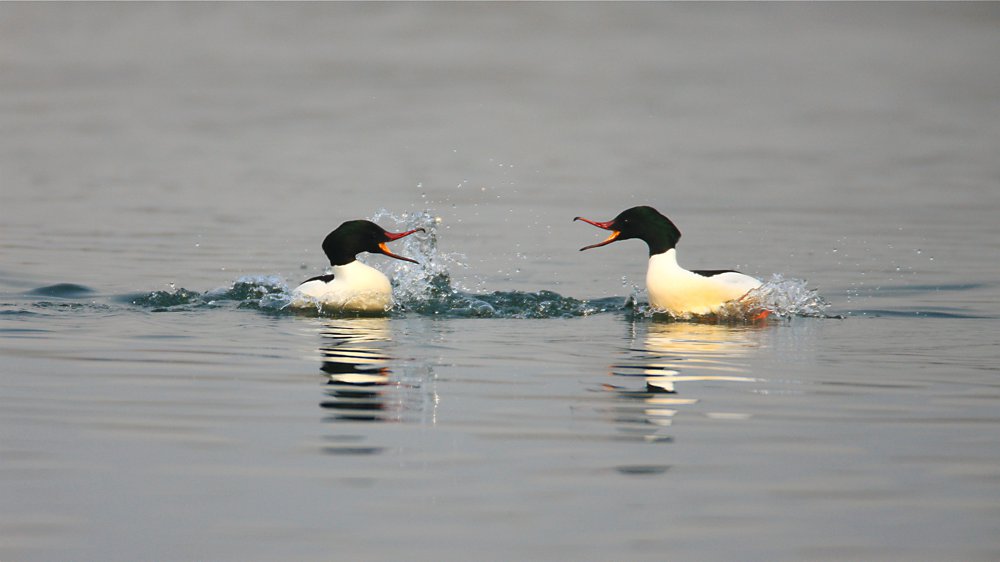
(363, 383)
(672, 353)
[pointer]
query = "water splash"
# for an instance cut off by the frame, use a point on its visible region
(267, 292)
(789, 297)
(423, 280)
(161, 300)
(427, 289)
(779, 297)
(434, 295)
(449, 302)
(430, 293)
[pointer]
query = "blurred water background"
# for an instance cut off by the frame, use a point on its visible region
(164, 168)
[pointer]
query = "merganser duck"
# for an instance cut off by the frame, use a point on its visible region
(671, 287)
(352, 285)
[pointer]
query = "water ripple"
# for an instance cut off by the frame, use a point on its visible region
(62, 290)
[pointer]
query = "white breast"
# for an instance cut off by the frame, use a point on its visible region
(355, 287)
(679, 291)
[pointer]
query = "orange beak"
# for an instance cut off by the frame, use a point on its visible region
(396, 236)
(607, 225)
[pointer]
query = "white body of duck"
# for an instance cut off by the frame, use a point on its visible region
(355, 286)
(681, 292)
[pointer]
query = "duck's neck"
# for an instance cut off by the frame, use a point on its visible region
(662, 238)
(340, 258)
(664, 260)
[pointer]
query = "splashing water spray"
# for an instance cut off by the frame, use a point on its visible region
(428, 289)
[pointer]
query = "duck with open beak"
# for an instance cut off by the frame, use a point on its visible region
(606, 225)
(351, 285)
(671, 287)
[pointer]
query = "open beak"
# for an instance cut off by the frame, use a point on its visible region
(396, 236)
(608, 225)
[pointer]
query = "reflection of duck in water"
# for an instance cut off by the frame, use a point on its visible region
(678, 352)
(352, 285)
(355, 361)
(363, 383)
(670, 286)
(672, 346)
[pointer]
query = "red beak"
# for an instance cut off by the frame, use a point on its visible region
(607, 225)
(396, 236)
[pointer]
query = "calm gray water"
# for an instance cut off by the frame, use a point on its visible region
(146, 149)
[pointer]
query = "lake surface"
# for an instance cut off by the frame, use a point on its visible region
(167, 171)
